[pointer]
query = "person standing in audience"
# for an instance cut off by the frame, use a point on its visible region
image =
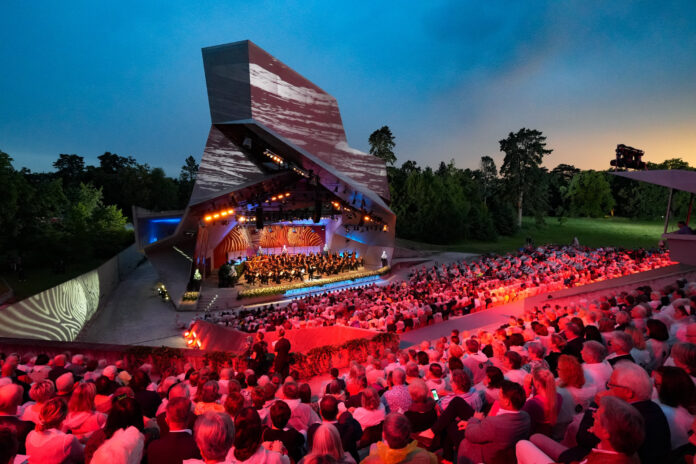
(281, 363)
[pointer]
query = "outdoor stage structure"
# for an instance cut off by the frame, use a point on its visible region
(277, 172)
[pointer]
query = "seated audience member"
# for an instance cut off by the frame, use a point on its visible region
(327, 442)
(677, 394)
(657, 343)
(597, 371)
(279, 431)
(545, 403)
(572, 378)
(47, 444)
(8, 445)
(105, 388)
(10, 399)
(248, 446)
(513, 367)
(422, 412)
(574, 341)
(82, 418)
(371, 412)
(303, 415)
(396, 398)
(148, 400)
(492, 383)
(208, 397)
(234, 403)
(461, 388)
(334, 376)
(619, 427)
(620, 345)
(178, 444)
(492, 439)
(40, 392)
(64, 386)
(349, 429)
(631, 383)
(435, 380)
(456, 409)
(397, 446)
(180, 390)
(124, 414)
(555, 351)
(536, 359)
(475, 360)
(214, 435)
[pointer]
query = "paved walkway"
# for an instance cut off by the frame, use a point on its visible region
(136, 315)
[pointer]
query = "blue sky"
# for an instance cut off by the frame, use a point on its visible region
(450, 78)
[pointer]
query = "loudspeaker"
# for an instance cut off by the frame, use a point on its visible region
(259, 217)
(316, 217)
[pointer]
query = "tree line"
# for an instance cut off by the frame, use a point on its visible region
(80, 211)
(447, 204)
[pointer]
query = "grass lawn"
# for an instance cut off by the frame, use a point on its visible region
(597, 232)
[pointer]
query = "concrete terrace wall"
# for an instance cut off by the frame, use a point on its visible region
(61, 312)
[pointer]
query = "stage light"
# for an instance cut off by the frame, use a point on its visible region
(242, 219)
(273, 198)
(230, 211)
(208, 218)
(189, 342)
(223, 214)
(198, 342)
(385, 228)
(216, 215)
(193, 333)
(366, 218)
(187, 333)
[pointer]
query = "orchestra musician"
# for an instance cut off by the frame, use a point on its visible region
(286, 267)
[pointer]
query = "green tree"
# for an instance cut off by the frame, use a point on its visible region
(187, 179)
(524, 153)
(382, 145)
(70, 168)
(590, 194)
(559, 181)
(489, 176)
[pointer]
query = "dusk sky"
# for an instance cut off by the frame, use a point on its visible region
(449, 78)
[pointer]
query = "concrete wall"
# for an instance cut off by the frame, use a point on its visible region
(61, 312)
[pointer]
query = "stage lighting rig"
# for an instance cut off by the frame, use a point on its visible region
(629, 158)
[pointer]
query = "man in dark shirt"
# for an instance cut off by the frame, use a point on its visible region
(291, 438)
(281, 364)
(177, 445)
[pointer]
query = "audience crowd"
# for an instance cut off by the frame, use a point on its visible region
(610, 380)
(458, 288)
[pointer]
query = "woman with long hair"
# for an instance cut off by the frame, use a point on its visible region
(327, 441)
(545, 403)
(82, 418)
(676, 393)
(47, 444)
(247, 447)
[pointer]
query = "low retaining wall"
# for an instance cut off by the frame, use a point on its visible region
(61, 312)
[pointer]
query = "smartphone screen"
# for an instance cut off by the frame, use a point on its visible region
(435, 395)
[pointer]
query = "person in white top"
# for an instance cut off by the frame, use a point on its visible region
(372, 411)
(597, 371)
(513, 364)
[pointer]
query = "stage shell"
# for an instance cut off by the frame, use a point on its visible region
(276, 166)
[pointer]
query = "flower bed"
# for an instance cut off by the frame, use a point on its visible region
(279, 289)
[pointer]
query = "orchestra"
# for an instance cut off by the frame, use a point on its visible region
(275, 269)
